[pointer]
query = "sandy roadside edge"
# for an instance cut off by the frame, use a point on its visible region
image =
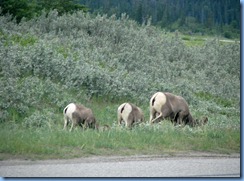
(115, 158)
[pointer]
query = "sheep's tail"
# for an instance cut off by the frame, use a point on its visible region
(154, 99)
(65, 109)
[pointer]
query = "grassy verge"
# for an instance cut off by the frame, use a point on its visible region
(144, 139)
(50, 141)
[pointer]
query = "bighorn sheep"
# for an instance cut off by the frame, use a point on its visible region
(79, 115)
(166, 105)
(130, 114)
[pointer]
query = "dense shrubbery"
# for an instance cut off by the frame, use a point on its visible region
(52, 60)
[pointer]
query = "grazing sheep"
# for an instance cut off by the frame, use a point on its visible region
(130, 114)
(166, 105)
(79, 115)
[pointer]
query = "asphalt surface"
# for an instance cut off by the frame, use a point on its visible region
(193, 165)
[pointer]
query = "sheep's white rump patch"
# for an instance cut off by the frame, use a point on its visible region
(159, 100)
(68, 110)
(126, 110)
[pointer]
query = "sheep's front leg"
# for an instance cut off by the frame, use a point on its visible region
(74, 123)
(129, 123)
(181, 117)
(179, 122)
(86, 123)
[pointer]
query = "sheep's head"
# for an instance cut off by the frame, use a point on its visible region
(201, 122)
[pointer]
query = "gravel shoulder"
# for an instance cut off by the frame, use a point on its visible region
(93, 159)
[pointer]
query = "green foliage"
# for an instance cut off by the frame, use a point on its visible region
(28, 9)
(227, 34)
(220, 101)
(188, 16)
(19, 9)
(62, 6)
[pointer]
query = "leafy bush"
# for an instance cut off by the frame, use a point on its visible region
(42, 119)
(227, 34)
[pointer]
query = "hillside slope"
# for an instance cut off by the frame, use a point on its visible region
(52, 60)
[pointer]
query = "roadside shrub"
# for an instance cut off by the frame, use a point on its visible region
(42, 119)
(227, 34)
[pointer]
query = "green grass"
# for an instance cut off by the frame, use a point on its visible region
(162, 138)
(193, 40)
(197, 40)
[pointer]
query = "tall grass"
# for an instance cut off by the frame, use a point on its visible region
(144, 139)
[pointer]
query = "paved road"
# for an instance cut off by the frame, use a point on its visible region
(135, 166)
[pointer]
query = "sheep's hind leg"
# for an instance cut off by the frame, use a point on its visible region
(119, 119)
(72, 124)
(160, 115)
(66, 122)
(152, 115)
